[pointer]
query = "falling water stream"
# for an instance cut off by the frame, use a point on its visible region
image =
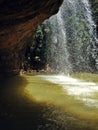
(72, 45)
(72, 41)
(73, 103)
(57, 102)
(70, 103)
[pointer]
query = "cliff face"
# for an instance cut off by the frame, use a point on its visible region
(18, 18)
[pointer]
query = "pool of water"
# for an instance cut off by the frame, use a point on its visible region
(48, 102)
(69, 103)
(81, 90)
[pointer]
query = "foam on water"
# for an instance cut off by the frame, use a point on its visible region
(82, 90)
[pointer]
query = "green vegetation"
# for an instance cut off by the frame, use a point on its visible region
(78, 44)
(36, 51)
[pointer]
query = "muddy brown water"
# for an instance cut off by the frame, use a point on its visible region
(30, 103)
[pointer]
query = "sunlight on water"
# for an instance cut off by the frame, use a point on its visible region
(82, 90)
(73, 96)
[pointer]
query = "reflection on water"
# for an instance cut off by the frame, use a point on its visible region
(32, 103)
(63, 107)
(82, 90)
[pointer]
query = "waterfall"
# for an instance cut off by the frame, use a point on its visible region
(71, 40)
(58, 53)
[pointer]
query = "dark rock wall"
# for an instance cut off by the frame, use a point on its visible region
(18, 18)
